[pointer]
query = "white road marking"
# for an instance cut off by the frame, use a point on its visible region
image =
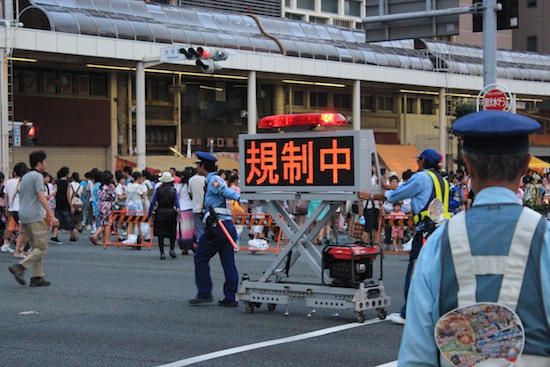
(269, 343)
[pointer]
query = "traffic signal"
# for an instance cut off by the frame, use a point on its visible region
(205, 57)
(31, 136)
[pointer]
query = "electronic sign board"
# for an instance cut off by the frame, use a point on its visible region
(320, 163)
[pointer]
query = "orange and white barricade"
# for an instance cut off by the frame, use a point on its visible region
(123, 216)
(389, 221)
(259, 219)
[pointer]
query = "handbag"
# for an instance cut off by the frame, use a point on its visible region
(356, 228)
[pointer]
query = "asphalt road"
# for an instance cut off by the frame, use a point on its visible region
(121, 307)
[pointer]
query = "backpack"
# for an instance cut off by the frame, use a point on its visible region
(76, 200)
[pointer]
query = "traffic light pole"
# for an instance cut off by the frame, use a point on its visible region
(490, 41)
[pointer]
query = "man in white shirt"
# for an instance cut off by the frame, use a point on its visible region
(196, 192)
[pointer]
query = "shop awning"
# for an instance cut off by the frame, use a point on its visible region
(161, 163)
(538, 163)
(398, 158)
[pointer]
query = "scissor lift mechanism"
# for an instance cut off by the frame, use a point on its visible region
(274, 287)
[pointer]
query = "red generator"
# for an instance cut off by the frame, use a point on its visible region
(349, 264)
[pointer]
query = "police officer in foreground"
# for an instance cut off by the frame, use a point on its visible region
(497, 251)
(214, 239)
(423, 188)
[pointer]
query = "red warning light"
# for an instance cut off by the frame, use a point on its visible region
(303, 119)
(32, 132)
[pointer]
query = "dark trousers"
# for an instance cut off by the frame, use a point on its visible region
(415, 251)
(206, 249)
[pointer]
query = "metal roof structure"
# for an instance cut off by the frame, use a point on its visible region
(140, 21)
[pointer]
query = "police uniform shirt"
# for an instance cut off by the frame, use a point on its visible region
(216, 194)
(419, 189)
(418, 346)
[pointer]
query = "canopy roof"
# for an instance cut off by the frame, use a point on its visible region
(152, 22)
(399, 158)
(538, 163)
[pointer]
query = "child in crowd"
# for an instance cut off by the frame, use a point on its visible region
(397, 232)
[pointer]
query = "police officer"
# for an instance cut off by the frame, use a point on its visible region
(423, 188)
(214, 239)
(497, 251)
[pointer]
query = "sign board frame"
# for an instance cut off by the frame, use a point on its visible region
(307, 165)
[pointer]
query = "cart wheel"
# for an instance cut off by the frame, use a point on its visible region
(271, 306)
(381, 313)
(248, 307)
(257, 304)
(360, 316)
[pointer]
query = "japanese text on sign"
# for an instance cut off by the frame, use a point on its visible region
(321, 161)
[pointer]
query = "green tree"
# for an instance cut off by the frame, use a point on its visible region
(461, 110)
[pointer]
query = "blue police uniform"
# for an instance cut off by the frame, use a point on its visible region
(497, 251)
(215, 197)
(416, 188)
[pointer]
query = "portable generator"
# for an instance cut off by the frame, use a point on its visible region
(349, 264)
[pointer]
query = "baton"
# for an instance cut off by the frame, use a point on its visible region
(220, 223)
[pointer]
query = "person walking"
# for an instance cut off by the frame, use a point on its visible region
(214, 241)
(426, 187)
(106, 198)
(497, 251)
(196, 186)
(165, 206)
(64, 209)
(11, 197)
(186, 224)
(31, 215)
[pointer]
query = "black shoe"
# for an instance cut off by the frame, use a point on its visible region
(162, 256)
(184, 252)
(18, 270)
(228, 303)
(199, 300)
(172, 254)
(39, 282)
(74, 239)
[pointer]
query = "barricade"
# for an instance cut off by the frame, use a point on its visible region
(389, 221)
(122, 216)
(259, 219)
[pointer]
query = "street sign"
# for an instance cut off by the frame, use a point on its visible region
(171, 54)
(16, 135)
(495, 96)
(495, 99)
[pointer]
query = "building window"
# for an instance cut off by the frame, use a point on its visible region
(352, 8)
(99, 85)
(318, 99)
(329, 6)
(305, 4)
(288, 3)
(409, 105)
(318, 20)
(366, 103)
(426, 106)
(342, 101)
(298, 98)
(532, 43)
(385, 104)
(292, 16)
(531, 3)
